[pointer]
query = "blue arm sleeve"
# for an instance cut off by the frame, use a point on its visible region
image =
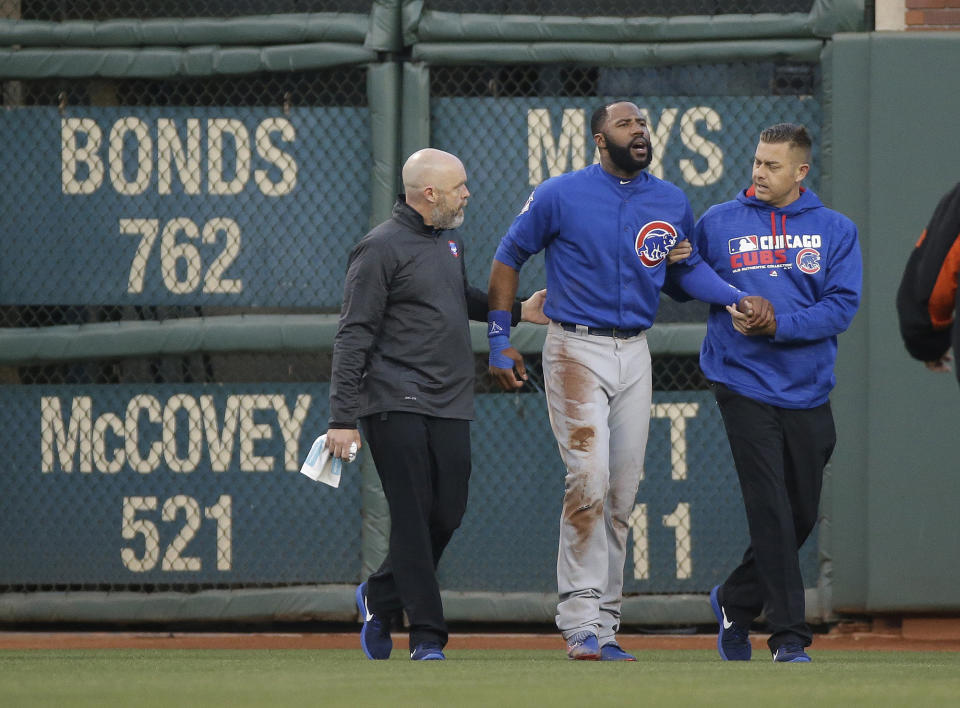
(670, 285)
(699, 280)
(673, 289)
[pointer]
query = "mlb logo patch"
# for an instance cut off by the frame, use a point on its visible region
(453, 248)
(742, 244)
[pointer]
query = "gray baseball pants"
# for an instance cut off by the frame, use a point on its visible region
(598, 395)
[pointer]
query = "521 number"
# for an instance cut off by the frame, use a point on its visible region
(180, 262)
(173, 558)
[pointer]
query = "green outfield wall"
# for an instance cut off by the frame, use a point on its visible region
(154, 418)
(894, 483)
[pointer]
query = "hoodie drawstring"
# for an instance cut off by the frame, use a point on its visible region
(773, 224)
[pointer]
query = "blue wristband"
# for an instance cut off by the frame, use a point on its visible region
(498, 332)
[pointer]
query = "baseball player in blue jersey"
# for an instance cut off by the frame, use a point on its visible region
(777, 239)
(608, 231)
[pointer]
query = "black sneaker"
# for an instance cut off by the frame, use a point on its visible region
(733, 641)
(375, 636)
(427, 651)
(791, 654)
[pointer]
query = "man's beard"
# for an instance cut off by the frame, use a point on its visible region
(443, 217)
(621, 157)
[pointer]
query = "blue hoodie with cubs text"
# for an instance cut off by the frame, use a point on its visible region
(805, 259)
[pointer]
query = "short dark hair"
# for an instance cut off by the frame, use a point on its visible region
(792, 133)
(599, 117)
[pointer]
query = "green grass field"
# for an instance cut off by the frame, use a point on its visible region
(113, 677)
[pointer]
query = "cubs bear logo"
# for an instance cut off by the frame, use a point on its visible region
(654, 242)
(808, 260)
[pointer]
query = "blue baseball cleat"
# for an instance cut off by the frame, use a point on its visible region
(583, 646)
(611, 651)
(427, 651)
(733, 641)
(791, 654)
(375, 636)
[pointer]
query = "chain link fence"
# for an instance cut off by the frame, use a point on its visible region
(158, 200)
(150, 488)
(136, 200)
(176, 198)
(133, 200)
(97, 10)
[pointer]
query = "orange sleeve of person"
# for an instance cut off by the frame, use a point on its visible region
(943, 296)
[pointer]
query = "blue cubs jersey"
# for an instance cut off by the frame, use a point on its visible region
(606, 242)
(805, 259)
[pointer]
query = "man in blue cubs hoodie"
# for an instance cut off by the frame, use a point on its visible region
(772, 384)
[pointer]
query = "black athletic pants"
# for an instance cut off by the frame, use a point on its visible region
(780, 455)
(424, 467)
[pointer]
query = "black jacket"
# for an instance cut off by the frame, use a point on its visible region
(927, 298)
(403, 341)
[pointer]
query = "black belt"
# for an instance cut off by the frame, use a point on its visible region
(604, 331)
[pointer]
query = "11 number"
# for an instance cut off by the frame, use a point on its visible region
(679, 521)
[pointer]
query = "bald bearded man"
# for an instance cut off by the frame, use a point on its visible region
(403, 369)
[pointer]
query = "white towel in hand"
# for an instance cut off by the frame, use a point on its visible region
(321, 466)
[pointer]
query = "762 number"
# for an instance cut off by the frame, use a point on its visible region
(180, 262)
